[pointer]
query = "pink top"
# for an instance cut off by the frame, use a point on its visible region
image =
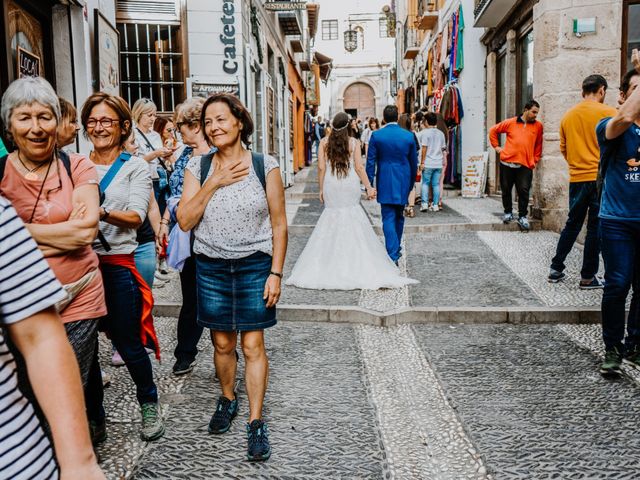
(55, 206)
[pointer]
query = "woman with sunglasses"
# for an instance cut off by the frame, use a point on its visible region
(126, 185)
(56, 195)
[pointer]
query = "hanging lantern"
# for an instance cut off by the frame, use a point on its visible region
(350, 40)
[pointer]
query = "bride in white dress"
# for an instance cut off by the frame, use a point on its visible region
(344, 252)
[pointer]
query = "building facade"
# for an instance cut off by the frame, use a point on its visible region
(542, 49)
(439, 55)
(356, 35)
(57, 40)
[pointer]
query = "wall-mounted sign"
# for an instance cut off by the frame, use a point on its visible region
(207, 89)
(107, 46)
(228, 37)
(313, 85)
(284, 6)
(28, 64)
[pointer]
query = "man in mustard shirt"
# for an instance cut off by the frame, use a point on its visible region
(579, 145)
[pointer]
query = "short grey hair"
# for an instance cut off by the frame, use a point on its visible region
(26, 91)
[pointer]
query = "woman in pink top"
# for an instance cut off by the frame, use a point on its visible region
(56, 195)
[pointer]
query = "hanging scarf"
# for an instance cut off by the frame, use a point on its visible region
(147, 330)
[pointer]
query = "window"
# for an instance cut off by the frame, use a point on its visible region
(151, 64)
(383, 27)
(329, 29)
(525, 70)
(630, 32)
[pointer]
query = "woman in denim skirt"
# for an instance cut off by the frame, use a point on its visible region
(240, 227)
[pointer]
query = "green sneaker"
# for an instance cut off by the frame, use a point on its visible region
(152, 426)
(610, 368)
(632, 356)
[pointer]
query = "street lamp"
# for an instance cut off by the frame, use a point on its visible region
(350, 40)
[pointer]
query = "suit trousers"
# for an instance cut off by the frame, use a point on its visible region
(392, 226)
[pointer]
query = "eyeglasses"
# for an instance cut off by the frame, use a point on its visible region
(179, 125)
(104, 122)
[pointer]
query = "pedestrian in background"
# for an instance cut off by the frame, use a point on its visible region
(56, 196)
(68, 126)
(619, 141)
(187, 119)
(28, 293)
(518, 157)
(432, 161)
(579, 146)
(234, 202)
(404, 121)
(126, 185)
(372, 126)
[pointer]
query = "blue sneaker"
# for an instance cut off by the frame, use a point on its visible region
(594, 284)
(225, 412)
(555, 276)
(258, 448)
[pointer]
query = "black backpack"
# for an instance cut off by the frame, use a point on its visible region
(256, 158)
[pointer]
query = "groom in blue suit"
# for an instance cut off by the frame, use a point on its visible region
(393, 162)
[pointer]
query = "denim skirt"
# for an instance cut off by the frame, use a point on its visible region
(230, 293)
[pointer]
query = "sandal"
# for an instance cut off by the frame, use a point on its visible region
(409, 212)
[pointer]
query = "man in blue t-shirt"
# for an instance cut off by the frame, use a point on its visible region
(619, 141)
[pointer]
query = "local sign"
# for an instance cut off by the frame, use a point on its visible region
(284, 6)
(28, 63)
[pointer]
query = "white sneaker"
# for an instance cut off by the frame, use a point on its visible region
(163, 267)
(424, 207)
(435, 208)
(163, 277)
(106, 379)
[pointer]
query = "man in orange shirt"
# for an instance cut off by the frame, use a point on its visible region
(521, 152)
(579, 145)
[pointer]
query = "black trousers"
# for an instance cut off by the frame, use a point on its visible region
(189, 332)
(521, 178)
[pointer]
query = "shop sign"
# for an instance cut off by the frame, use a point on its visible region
(284, 6)
(107, 47)
(207, 89)
(28, 64)
(474, 175)
(228, 37)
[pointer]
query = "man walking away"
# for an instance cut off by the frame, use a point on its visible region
(519, 156)
(434, 144)
(318, 132)
(619, 140)
(392, 160)
(579, 146)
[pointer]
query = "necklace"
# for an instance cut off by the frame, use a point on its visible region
(30, 175)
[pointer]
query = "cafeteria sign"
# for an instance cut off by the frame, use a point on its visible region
(284, 6)
(28, 64)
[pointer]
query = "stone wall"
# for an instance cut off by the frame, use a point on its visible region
(561, 61)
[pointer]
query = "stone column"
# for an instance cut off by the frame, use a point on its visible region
(511, 60)
(491, 118)
(561, 62)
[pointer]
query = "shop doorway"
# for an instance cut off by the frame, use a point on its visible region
(360, 99)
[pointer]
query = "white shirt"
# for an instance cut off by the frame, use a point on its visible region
(436, 143)
(144, 147)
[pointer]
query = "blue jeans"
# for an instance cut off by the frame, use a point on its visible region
(619, 242)
(584, 202)
(145, 257)
(122, 324)
(431, 178)
(392, 226)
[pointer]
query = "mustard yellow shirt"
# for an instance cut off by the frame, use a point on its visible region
(578, 142)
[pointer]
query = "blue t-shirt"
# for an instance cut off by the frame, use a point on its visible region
(621, 187)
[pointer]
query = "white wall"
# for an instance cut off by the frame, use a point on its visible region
(372, 63)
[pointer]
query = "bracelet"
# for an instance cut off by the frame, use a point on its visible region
(164, 221)
(279, 275)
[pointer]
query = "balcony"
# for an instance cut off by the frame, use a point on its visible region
(490, 13)
(411, 38)
(427, 15)
(289, 23)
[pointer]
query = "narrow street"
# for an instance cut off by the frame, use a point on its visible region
(461, 398)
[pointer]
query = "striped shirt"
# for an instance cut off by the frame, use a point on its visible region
(27, 286)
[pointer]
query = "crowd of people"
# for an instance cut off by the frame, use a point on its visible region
(82, 238)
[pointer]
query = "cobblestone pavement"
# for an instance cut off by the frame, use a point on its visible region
(434, 402)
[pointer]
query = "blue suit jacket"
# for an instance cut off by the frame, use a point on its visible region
(393, 162)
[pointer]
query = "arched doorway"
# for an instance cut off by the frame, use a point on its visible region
(360, 101)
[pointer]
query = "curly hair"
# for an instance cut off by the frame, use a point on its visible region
(337, 146)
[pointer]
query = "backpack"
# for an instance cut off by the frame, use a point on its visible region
(321, 129)
(257, 159)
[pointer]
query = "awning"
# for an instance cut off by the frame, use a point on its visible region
(289, 23)
(313, 12)
(325, 63)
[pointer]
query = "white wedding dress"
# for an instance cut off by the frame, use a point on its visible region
(344, 252)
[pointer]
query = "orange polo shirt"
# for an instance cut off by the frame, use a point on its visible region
(578, 142)
(523, 144)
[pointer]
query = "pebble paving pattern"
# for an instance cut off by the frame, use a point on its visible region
(534, 403)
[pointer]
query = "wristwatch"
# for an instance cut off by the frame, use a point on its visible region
(105, 214)
(279, 275)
